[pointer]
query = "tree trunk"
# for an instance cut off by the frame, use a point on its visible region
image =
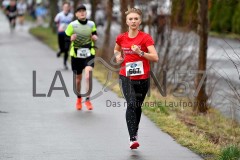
(75, 5)
(105, 48)
(201, 99)
(53, 13)
(180, 13)
(124, 7)
(131, 3)
(94, 4)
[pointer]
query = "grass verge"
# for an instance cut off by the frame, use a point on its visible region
(208, 135)
(225, 35)
(46, 36)
(230, 153)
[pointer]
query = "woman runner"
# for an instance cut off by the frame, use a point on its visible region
(134, 50)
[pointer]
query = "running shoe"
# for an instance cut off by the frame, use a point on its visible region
(134, 144)
(79, 104)
(89, 105)
(65, 67)
(58, 54)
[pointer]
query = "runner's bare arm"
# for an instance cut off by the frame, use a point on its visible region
(73, 37)
(152, 54)
(117, 53)
(94, 37)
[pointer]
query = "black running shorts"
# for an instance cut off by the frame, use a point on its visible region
(78, 64)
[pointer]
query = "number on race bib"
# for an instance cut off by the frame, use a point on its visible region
(134, 68)
(83, 53)
(134, 71)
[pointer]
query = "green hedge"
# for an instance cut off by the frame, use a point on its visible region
(184, 13)
(221, 15)
(224, 15)
(236, 20)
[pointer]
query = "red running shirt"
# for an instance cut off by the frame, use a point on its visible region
(137, 67)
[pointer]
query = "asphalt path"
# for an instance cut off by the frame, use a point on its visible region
(37, 125)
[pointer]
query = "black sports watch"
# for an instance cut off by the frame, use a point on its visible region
(141, 54)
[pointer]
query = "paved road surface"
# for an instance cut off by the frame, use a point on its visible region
(49, 128)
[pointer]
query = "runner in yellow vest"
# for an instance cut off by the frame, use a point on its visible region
(83, 33)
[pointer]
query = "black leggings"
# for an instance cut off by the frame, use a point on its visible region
(64, 44)
(134, 92)
(12, 21)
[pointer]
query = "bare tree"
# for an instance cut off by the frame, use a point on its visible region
(131, 3)
(201, 98)
(232, 96)
(107, 38)
(53, 12)
(124, 6)
(94, 4)
(75, 4)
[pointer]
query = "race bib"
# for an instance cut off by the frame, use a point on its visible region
(83, 53)
(134, 68)
(12, 14)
